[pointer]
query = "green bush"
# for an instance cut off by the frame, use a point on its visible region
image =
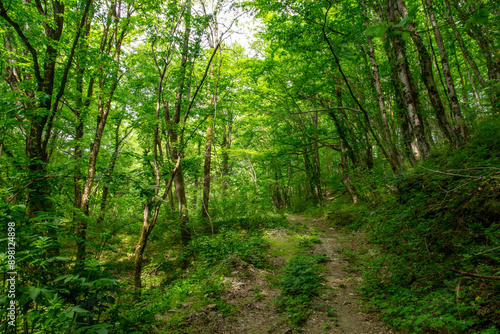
(249, 247)
(54, 293)
(300, 283)
(444, 220)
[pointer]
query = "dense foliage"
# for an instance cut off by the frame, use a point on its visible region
(142, 149)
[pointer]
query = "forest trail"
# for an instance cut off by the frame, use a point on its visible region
(337, 310)
(350, 316)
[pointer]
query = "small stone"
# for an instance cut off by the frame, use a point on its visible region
(211, 306)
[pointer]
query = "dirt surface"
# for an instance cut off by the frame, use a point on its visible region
(250, 290)
(350, 314)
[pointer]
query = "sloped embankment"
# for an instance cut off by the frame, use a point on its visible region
(440, 242)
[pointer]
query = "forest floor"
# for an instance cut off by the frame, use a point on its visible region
(253, 292)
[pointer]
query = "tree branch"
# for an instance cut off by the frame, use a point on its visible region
(24, 39)
(473, 275)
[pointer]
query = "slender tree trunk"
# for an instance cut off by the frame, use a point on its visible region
(471, 81)
(488, 49)
(104, 109)
(404, 120)
(465, 98)
(340, 128)
(275, 189)
(226, 146)
(344, 174)
(173, 135)
(492, 93)
(410, 94)
(108, 176)
(210, 134)
(392, 152)
(317, 162)
(455, 105)
(206, 168)
(152, 203)
(308, 168)
(427, 77)
(442, 87)
(343, 166)
(111, 46)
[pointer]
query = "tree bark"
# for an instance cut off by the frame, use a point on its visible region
(410, 94)
(404, 120)
(112, 45)
(344, 175)
(455, 105)
(488, 48)
(392, 152)
(206, 168)
(176, 145)
(427, 77)
(41, 112)
(492, 93)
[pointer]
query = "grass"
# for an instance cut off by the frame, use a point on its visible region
(442, 218)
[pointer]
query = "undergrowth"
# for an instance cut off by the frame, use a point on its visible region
(173, 305)
(438, 268)
(301, 283)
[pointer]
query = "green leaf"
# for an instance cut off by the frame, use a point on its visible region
(46, 293)
(405, 36)
(66, 278)
(481, 17)
(413, 10)
(98, 329)
(377, 31)
(75, 309)
(34, 292)
(403, 22)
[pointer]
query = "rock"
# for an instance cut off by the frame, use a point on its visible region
(211, 306)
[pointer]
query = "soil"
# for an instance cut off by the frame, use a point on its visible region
(338, 310)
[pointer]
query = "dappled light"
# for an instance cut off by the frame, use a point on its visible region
(260, 166)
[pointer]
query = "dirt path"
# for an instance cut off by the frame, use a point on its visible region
(350, 316)
(337, 310)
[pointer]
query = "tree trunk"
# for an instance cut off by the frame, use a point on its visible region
(492, 93)
(455, 106)
(465, 98)
(226, 145)
(309, 175)
(104, 107)
(392, 153)
(488, 49)
(410, 94)
(404, 120)
(174, 138)
(317, 162)
(42, 111)
(344, 174)
(206, 168)
(147, 225)
(427, 77)
(109, 175)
